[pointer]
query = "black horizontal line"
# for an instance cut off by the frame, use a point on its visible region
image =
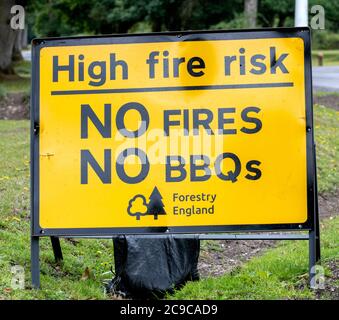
(183, 88)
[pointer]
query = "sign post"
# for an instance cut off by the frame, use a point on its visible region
(193, 132)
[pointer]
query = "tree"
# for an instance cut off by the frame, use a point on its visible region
(70, 17)
(276, 13)
(7, 37)
(137, 206)
(155, 206)
(173, 15)
(11, 40)
(250, 11)
(18, 44)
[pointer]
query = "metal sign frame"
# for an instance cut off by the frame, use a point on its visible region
(312, 222)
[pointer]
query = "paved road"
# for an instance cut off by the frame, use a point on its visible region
(326, 78)
(26, 54)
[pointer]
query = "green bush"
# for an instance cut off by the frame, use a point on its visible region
(325, 40)
(238, 22)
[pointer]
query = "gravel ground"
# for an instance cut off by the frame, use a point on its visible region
(331, 100)
(14, 106)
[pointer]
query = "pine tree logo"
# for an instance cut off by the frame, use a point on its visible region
(138, 207)
(155, 205)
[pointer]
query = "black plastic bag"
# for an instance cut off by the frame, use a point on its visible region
(148, 267)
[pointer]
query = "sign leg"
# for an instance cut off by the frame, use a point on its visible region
(312, 257)
(56, 249)
(314, 234)
(316, 213)
(35, 263)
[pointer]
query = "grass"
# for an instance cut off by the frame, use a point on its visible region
(2, 92)
(325, 93)
(19, 83)
(58, 282)
(274, 275)
(281, 273)
(331, 57)
(326, 122)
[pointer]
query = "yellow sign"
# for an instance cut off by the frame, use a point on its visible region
(198, 130)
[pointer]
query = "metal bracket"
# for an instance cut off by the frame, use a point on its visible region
(35, 263)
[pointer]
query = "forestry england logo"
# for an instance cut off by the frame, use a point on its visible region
(138, 205)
